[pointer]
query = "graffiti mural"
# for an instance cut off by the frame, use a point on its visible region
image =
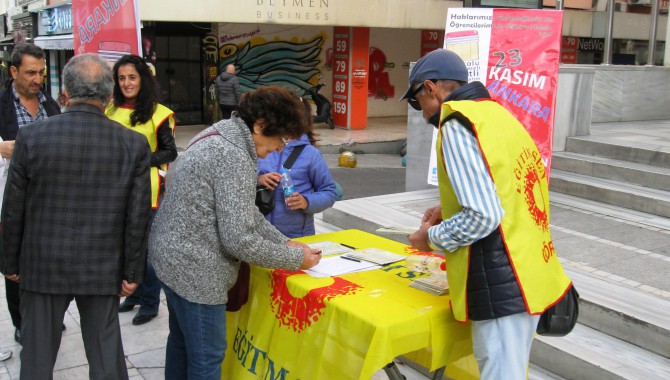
(292, 65)
(379, 84)
(211, 58)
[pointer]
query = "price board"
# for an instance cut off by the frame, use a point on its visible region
(351, 48)
(341, 75)
(431, 40)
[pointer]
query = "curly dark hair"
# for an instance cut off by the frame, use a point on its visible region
(280, 109)
(25, 48)
(146, 98)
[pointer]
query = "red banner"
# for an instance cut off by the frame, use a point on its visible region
(515, 53)
(523, 69)
(106, 27)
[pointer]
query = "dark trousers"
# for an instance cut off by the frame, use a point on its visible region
(42, 329)
(226, 111)
(13, 301)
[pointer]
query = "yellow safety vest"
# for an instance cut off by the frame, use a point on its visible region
(149, 130)
(516, 167)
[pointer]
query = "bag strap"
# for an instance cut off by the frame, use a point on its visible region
(293, 156)
(287, 164)
(202, 137)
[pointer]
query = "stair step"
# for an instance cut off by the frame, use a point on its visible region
(643, 153)
(630, 196)
(537, 373)
(655, 177)
(626, 313)
(589, 354)
(322, 227)
(609, 210)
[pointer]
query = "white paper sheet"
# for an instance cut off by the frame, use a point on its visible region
(335, 266)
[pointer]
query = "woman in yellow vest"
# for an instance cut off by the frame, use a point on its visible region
(493, 218)
(135, 105)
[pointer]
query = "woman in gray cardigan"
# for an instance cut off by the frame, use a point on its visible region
(208, 223)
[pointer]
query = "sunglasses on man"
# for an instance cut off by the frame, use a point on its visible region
(411, 99)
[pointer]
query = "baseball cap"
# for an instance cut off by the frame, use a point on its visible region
(438, 64)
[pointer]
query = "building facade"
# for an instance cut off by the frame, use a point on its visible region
(299, 43)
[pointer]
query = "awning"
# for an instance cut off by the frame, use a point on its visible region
(60, 42)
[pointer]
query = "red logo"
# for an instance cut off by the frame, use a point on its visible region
(538, 214)
(298, 313)
(528, 165)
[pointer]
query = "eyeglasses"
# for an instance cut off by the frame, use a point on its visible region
(411, 99)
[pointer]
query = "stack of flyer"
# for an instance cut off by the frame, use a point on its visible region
(435, 284)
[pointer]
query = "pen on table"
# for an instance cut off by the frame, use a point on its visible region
(348, 246)
(350, 259)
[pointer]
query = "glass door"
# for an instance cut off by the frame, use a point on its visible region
(179, 76)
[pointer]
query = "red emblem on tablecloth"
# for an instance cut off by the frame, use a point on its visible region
(299, 313)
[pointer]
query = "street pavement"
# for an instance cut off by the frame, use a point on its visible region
(145, 345)
(615, 245)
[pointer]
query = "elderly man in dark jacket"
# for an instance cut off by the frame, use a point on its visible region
(229, 91)
(75, 215)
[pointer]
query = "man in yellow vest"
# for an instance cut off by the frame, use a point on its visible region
(493, 219)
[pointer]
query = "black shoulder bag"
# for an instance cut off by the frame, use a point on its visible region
(265, 197)
(561, 318)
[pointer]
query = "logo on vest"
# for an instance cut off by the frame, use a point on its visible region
(298, 313)
(529, 171)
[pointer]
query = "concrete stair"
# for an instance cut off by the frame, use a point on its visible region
(620, 335)
(634, 177)
(623, 332)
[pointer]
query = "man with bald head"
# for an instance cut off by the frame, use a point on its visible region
(229, 91)
(76, 207)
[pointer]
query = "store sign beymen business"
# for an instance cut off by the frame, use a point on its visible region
(292, 10)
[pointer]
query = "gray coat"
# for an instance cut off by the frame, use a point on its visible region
(229, 89)
(208, 220)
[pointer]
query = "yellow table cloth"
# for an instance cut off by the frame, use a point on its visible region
(295, 326)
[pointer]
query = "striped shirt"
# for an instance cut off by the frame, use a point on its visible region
(22, 115)
(474, 188)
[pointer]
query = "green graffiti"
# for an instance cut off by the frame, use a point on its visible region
(278, 63)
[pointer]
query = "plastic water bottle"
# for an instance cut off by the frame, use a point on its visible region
(426, 264)
(286, 183)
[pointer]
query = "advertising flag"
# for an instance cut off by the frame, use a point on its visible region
(515, 53)
(110, 28)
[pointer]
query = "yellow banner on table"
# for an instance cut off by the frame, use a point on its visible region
(295, 326)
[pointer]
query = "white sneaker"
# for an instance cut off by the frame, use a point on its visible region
(4, 355)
